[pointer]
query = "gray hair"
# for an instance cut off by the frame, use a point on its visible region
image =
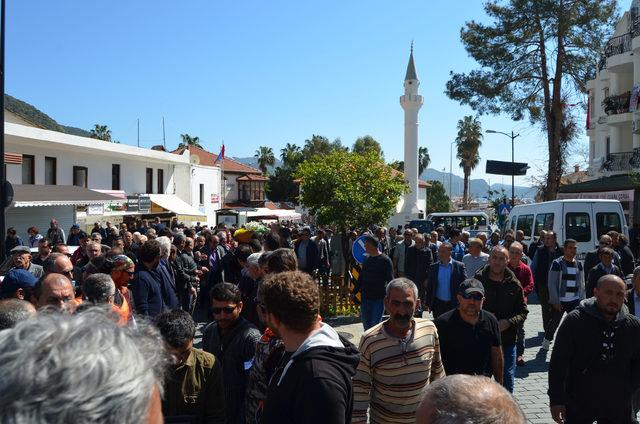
(403, 284)
(465, 233)
(178, 238)
(98, 288)
(462, 399)
(49, 264)
(40, 360)
(636, 272)
(13, 311)
(165, 246)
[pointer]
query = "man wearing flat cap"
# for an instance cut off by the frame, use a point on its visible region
(470, 340)
(21, 259)
(17, 284)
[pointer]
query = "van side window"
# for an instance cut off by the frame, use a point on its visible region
(513, 223)
(577, 226)
(525, 223)
(544, 221)
(607, 221)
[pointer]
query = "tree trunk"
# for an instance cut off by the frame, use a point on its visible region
(465, 194)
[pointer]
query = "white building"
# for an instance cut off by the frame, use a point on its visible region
(613, 122)
(137, 182)
(412, 205)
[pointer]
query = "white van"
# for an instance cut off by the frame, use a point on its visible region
(582, 220)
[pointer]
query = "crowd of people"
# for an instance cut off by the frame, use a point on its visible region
(117, 314)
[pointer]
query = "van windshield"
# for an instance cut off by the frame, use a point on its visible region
(459, 221)
(608, 221)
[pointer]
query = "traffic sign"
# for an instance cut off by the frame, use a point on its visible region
(359, 251)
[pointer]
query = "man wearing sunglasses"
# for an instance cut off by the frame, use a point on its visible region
(470, 341)
(232, 339)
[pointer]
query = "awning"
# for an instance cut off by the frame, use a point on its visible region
(30, 195)
(173, 203)
(280, 214)
(120, 194)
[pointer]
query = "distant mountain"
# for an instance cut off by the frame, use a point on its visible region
(39, 118)
(252, 161)
(478, 187)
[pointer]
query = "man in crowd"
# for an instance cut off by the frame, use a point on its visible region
(505, 300)
(44, 250)
(21, 259)
(381, 234)
(566, 280)
(592, 258)
(146, 287)
(396, 354)
(55, 234)
(418, 261)
(470, 341)
(463, 399)
(193, 386)
(594, 364)
(248, 286)
(540, 267)
(524, 275)
(476, 258)
(186, 273)
(59, 264)
(232, 339)
(377, 271)
(534, 246)
(457, 246)
(307, 252)
(74, 235)
(604, 267)
(98, 289)
(54, 290)
(89, 370)
(312, 383)
(400, 253)
(620, 245)
(15, 311)
(443, 280)
(18, 284)
(633, 295)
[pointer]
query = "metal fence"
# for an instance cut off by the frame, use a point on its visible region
(618, 45)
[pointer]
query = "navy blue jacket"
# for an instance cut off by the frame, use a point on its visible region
(169, 292)
(313, 256)
(458, 275)
(147, 292)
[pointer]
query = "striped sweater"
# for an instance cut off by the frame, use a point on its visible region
(392, 376)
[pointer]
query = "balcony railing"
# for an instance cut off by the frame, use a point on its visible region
(622, 161)
(614, 105)
(635, 26)
(618, 45)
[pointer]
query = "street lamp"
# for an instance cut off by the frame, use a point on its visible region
(450, 166)
(513, 137)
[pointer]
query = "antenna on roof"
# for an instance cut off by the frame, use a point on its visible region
(138, 132)
(164, 139)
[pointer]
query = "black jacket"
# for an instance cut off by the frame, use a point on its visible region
(630, 302)
(542, 263)
(591, 259)
(587, 376)
(417, 263)
(626, 259)
(313, 385)
(595, 274)
(458, 275)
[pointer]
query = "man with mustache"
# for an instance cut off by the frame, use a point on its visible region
(594, 365)
(470, 341)
(398, 358)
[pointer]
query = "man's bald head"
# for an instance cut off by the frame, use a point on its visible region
(461, 399)
(53, 290)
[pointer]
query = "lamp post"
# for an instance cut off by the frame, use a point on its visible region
(450, 167)
(513, 137)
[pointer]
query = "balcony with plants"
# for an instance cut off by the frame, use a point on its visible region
(617, 104)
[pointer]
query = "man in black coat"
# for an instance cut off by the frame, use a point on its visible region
(595, 364)
(443, 279)
(592, 258)
(417, 263)
(604, 267)
(146, 287)
(307, 252)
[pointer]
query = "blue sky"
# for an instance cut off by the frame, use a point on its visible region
(252, 73)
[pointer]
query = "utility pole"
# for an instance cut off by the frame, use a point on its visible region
(512, 136)
(138, 132)
(3, 174)
(164, 138)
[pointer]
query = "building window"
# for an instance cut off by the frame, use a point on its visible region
(608, 148)
(80, 176)
(160, 181)
(28, 169)
(50, 171)
(202, 194)
(115, 176)
(149, 180)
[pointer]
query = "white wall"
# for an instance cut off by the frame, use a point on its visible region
(210, 177)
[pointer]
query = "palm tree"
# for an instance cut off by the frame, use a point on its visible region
(101, 132)
(423, 159)
(290, 155)
(469, 140)
(265, 158)
(187, 141)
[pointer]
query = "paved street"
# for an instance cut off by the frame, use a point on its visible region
(531, 380)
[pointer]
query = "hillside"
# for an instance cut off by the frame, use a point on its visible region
(39, 118)
(478, 187)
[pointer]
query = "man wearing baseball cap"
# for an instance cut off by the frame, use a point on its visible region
(21, 259)
(470, 340)
(17, 284)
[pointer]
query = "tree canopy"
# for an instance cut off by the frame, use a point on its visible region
(319, 145)
(349, 189)
(187, 140)
(265, 157)
(535, 58)
(437, 199)
(101, 132)
(468, 141)
(366, 144)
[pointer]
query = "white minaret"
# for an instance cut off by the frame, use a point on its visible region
(411, 102)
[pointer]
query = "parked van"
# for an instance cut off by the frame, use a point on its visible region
(582, 220)
(472, 221)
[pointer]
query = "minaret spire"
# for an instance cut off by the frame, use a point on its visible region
(411, 67)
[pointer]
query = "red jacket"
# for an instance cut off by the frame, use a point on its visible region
(525, 276)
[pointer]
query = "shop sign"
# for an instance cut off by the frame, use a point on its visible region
(95, 209)
(144, 203)
(132, 203)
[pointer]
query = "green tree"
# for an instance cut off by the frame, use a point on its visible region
(468, 141)
(101, 132)
(349, 189)
(265, 158)
(366, 144)
(398, 165)
(319, 145)
(437, 199)
(188, 141)
(423, 160)
(281, 186)
(536, 55)
(291, 155)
